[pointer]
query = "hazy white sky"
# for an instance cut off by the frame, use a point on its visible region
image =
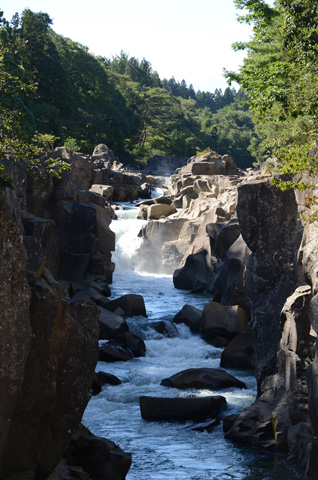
(181, 38)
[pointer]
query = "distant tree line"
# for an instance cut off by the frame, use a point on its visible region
(81, 100)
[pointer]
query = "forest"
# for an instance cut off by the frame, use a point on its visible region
(55, 92)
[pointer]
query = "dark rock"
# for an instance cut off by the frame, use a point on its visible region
(133, 343)
(114, 353)
(131, 304)
(190, 316)
(222, 236)
(181, 409)
(103, 378)
(228, 287)
(163, 199)
(271, 228)
(195, 275)
(16, 332)
(278, 420)
(167, 329)
(84, 232)
(220, 342)
(224, 321)
(228, 422)
(57, 378)
(145, 191)
(240, 352)
(111, 323)
(202, 378)
(205, 426)
(253, 426)
(312, 466)
(41, 243)
(99, 457)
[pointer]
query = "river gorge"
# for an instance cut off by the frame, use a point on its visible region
(169, 450)
(82, 276)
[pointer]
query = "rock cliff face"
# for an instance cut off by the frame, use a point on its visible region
(242, 239)
(51, 241)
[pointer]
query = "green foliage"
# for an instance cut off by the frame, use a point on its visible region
(45, 140)
(82, 100)
(279, 76)
(15, 125)
(71, 144)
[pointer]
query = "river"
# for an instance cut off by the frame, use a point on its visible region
(169, 450)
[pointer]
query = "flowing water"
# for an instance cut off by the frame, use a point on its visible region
(169, 450)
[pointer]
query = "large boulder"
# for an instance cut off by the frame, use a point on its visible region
(131, 304)
(202, 378)
(106, 191)
(181, 409)
(225, 321)
(190, 316)
(92, 457)
(111, 323)
(195, 275)
(241, 351)
(133, 343)
(158, 210)
(114, 353)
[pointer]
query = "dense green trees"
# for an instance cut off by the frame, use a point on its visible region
(280, 78)
(84, 100)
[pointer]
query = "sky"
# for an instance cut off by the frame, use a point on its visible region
(183, 39)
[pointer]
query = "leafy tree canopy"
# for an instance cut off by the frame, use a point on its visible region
(280, 78)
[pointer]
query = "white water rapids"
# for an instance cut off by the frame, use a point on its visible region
(169, 450)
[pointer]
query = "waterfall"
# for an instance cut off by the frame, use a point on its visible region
(168, 450)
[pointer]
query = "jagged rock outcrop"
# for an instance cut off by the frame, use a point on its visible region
(55, 242)
(278, 420)
(272, 230)
(51, 349)
(16, 333)
(205, 198)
